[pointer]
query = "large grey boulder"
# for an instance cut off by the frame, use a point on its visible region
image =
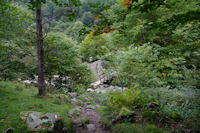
(39, 121)
(97, 67)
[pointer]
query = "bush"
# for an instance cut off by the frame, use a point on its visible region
(150, 65)
(131, 98)
(93, 47)
(125, 128)
(62, 59)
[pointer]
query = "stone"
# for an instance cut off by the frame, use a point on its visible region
(97, 106)
(84, 96)
(76, 100)
(97, 67)
(39, 121)
(90, 107)
(91, 127)
(90, 90)
(9, 130)
(72, 94)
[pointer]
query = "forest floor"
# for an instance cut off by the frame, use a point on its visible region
(79, 112)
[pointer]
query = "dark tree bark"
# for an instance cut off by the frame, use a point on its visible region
(40, 52)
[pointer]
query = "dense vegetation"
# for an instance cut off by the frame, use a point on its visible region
(152, 48)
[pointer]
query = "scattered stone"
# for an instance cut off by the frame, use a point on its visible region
(90, 90)
(76, 100)
(84, 96)
(97, 106)
(72, 94)
(9, 130)
(90, 107)
(91, 127)
(39, 121)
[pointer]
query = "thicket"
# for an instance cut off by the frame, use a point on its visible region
(154, 48)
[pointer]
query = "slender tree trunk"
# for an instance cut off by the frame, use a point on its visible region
(40, 52)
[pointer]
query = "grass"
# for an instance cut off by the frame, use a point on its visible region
(16, 97)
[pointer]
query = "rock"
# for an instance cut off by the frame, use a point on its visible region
(90, 107)
(90, 90)
(76, 100)
(39, 121)
(78, 122)
(97, 106)
(9, 130)
(84, 96)
(72, 94)
(97, 67)
(75, 111)
(91, 127)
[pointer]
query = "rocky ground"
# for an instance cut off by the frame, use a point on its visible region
(85, 116)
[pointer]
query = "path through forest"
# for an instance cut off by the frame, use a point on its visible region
(86, 118)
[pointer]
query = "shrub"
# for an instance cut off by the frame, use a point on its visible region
(150, 66)
(93, 47)
(131, 98)
(125, 128)
(62, 59)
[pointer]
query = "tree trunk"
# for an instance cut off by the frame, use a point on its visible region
(40, 52)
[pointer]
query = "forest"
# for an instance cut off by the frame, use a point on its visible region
(99, 66)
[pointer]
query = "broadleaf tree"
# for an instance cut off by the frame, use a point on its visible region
(36, 5)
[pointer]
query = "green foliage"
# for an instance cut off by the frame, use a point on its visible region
(152, 66)
(14, 21)
(131, 98)
(62, 59)
(154, 129)
(93, 47)
(135, 128)
(87, 18)
(125, 128)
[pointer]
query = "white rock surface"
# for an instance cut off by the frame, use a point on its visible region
(37, 120)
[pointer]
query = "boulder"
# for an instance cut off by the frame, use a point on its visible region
(9, 130)
(90, 90)
(97, 67)
(39, 121)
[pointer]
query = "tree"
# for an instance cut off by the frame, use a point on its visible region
(37, 6)
(40, 51)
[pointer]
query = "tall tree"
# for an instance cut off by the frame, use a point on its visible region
(37, 6)
(40, 51)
